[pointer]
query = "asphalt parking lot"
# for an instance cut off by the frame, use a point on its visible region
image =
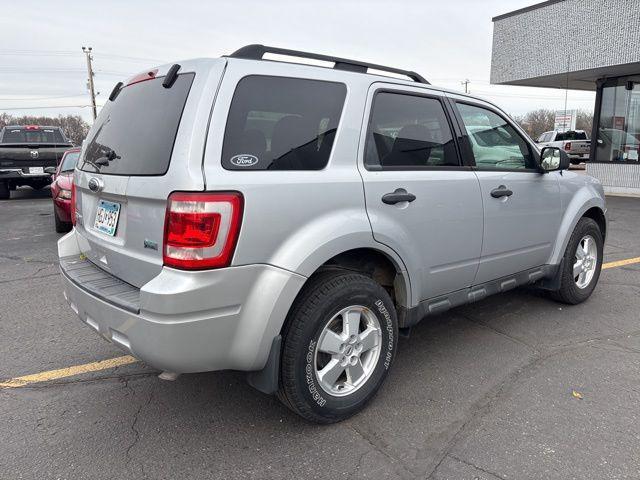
(489, 391)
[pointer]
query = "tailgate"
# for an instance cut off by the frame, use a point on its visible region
(580, 147)
(145, 144)
(31, 155)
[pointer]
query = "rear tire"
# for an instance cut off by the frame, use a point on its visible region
(5, 192)
(582, 263)
(338, 344)
(61, 227)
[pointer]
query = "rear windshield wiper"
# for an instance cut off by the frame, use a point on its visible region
(104, 160)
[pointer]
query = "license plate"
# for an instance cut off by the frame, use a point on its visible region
(36, 169)
(107, 217)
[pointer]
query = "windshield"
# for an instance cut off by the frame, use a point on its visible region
(134, 134)
(69, 161)
(33, 135)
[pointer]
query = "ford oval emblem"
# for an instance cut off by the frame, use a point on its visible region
(244, 160)
(95, 185)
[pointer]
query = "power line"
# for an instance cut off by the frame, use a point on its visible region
(38, 98)
(69, 53)
(50, 106)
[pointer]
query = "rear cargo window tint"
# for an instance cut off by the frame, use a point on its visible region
(135, 133)
(278, 123)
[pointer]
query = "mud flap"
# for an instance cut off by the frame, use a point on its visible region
(266, 380)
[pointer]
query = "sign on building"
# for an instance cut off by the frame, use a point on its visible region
(565, 120)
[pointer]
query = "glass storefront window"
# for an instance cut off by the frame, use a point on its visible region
(619, 127)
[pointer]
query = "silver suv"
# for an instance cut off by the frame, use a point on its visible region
(288, 220)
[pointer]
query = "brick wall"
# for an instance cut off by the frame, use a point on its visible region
(582, 34)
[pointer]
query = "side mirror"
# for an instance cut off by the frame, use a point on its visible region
(554, 158)
(50, 170)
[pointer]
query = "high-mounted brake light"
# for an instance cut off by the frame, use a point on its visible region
(201, 229)
(73, 203)
(32, 127)
(567, 146)
(141, 77)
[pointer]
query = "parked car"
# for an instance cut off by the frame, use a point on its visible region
(61, 190)
(287, 220)
(25, 151)
(575, 142)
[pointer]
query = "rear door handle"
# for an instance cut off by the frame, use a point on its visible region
(501, 191)
(400, 195)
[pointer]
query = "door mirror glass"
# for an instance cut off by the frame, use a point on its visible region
(50, 170)
(553, 158)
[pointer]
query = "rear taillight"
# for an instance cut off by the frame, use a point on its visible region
(201, 229)
(73, 203)
(567, 145)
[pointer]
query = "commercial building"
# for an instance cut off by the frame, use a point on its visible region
(582, 45)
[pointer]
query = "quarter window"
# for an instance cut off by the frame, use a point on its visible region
(278, 123)
(408, 131)
(495, 143)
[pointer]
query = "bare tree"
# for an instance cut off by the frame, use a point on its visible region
(536, 122)
(584, 121)
(542, 120)
(73, 125)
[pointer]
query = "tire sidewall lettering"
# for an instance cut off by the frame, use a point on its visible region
(388, 326)
(309, 375)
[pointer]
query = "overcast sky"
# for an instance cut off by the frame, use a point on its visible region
(447, 41)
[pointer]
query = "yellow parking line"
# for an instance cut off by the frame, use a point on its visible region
(621, 263)
(128, 359)
(68, 372)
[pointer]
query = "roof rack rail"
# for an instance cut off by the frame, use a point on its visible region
(256, 52)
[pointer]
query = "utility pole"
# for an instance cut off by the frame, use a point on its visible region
(466, 85)
(87, 52)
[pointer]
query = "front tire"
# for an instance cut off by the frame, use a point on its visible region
(582, 263)
(339, 342)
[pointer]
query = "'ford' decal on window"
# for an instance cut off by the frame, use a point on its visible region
(244, 160)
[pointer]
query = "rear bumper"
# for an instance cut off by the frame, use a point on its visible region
(192, 321)
(63, 209)
(17, 173)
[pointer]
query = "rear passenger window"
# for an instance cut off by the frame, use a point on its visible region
(278, 123)
(408, 131)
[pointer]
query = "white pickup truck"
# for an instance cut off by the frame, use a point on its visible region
(574, 142)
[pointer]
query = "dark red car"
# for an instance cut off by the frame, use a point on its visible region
(61, 190)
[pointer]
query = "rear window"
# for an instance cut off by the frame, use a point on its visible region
(278, 123)
(571, 135)
(135, 133)
(39, 135)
